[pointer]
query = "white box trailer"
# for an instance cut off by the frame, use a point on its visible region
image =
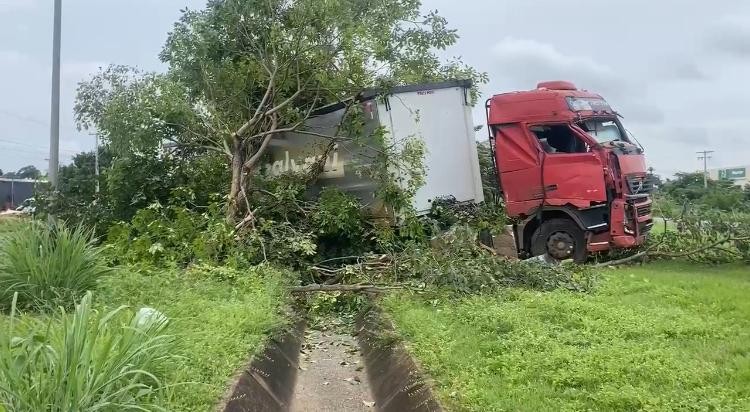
(437, 113)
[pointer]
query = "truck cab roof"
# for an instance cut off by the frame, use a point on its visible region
(549, 102)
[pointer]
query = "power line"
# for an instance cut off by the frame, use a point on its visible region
(19, 150)
(68, 150)
(24, 118)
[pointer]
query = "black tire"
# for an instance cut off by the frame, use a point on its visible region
(557, 231)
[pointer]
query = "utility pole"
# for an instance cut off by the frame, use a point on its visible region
(54, 134)
(96, 161)
(704, 155)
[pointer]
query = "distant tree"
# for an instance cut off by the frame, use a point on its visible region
(28, 172)
(720, 194)
(655, 179)
(1, 172)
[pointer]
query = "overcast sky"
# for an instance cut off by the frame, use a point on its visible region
(677, 70)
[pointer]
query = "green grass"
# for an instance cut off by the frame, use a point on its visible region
(10, 224)
(84, 360)
(660, 337)
(48, 265)
(218, 320)
(218, 317)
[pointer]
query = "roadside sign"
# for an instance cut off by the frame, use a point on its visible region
(735, 173)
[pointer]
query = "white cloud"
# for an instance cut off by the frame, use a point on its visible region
(533, 61)
(522, 63)
(545, 57)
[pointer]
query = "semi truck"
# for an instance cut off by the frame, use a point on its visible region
(570, 177)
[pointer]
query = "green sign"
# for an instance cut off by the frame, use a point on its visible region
(736, 173)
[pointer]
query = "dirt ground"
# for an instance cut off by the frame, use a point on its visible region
(332, 374)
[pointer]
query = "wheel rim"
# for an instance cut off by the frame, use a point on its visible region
(560, 245)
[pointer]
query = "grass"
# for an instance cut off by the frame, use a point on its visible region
(47, 265)
(219, 317)
(666, 336)
(84, 361)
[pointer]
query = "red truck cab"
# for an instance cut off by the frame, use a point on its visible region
(572, 179)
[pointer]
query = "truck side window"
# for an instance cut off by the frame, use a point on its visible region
(558, 139)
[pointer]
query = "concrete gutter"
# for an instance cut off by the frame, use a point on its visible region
(395, 380)
(267, 384)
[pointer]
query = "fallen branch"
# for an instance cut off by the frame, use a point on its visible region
(488, 249)
(639, 255)
(713, 245)
(648, 252)
(344, 288)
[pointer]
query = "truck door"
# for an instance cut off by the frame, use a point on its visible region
(573, 173)
(519, 168)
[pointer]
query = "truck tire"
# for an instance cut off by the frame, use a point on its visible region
(560, 238)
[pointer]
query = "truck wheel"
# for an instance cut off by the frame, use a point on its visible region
(560, 238)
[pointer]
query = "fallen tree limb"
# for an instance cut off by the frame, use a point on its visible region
(343, 288)
(648, 252)
(623, 260)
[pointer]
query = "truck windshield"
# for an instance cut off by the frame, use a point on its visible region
(602, 131)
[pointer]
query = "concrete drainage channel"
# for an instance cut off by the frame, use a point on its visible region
(333, 369)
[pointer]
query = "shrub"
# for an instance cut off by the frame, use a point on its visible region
(48, 265)
(82, 361)
(173, 234)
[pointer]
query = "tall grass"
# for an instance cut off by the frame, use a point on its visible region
(82, 361)
(48, 265)
(9, 224)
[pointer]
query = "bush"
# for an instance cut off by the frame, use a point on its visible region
(82, 361)
(173, 234)
(49, 265)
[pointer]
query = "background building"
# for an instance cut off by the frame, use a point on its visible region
(13, 192)
(737, 174)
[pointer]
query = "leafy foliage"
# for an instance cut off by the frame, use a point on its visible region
(76, 200)
(459, 264)
(173, 234)
(706, 236)
(447, 213)
(48, 266)
(134, 112)
(490, 183)
(83, 361)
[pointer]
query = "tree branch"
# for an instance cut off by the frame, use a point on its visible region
(262, 149)
(344, 288)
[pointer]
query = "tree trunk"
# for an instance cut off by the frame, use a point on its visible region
(235, 207)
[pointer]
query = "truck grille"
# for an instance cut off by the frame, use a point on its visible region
(644, 210)
(640, 185)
